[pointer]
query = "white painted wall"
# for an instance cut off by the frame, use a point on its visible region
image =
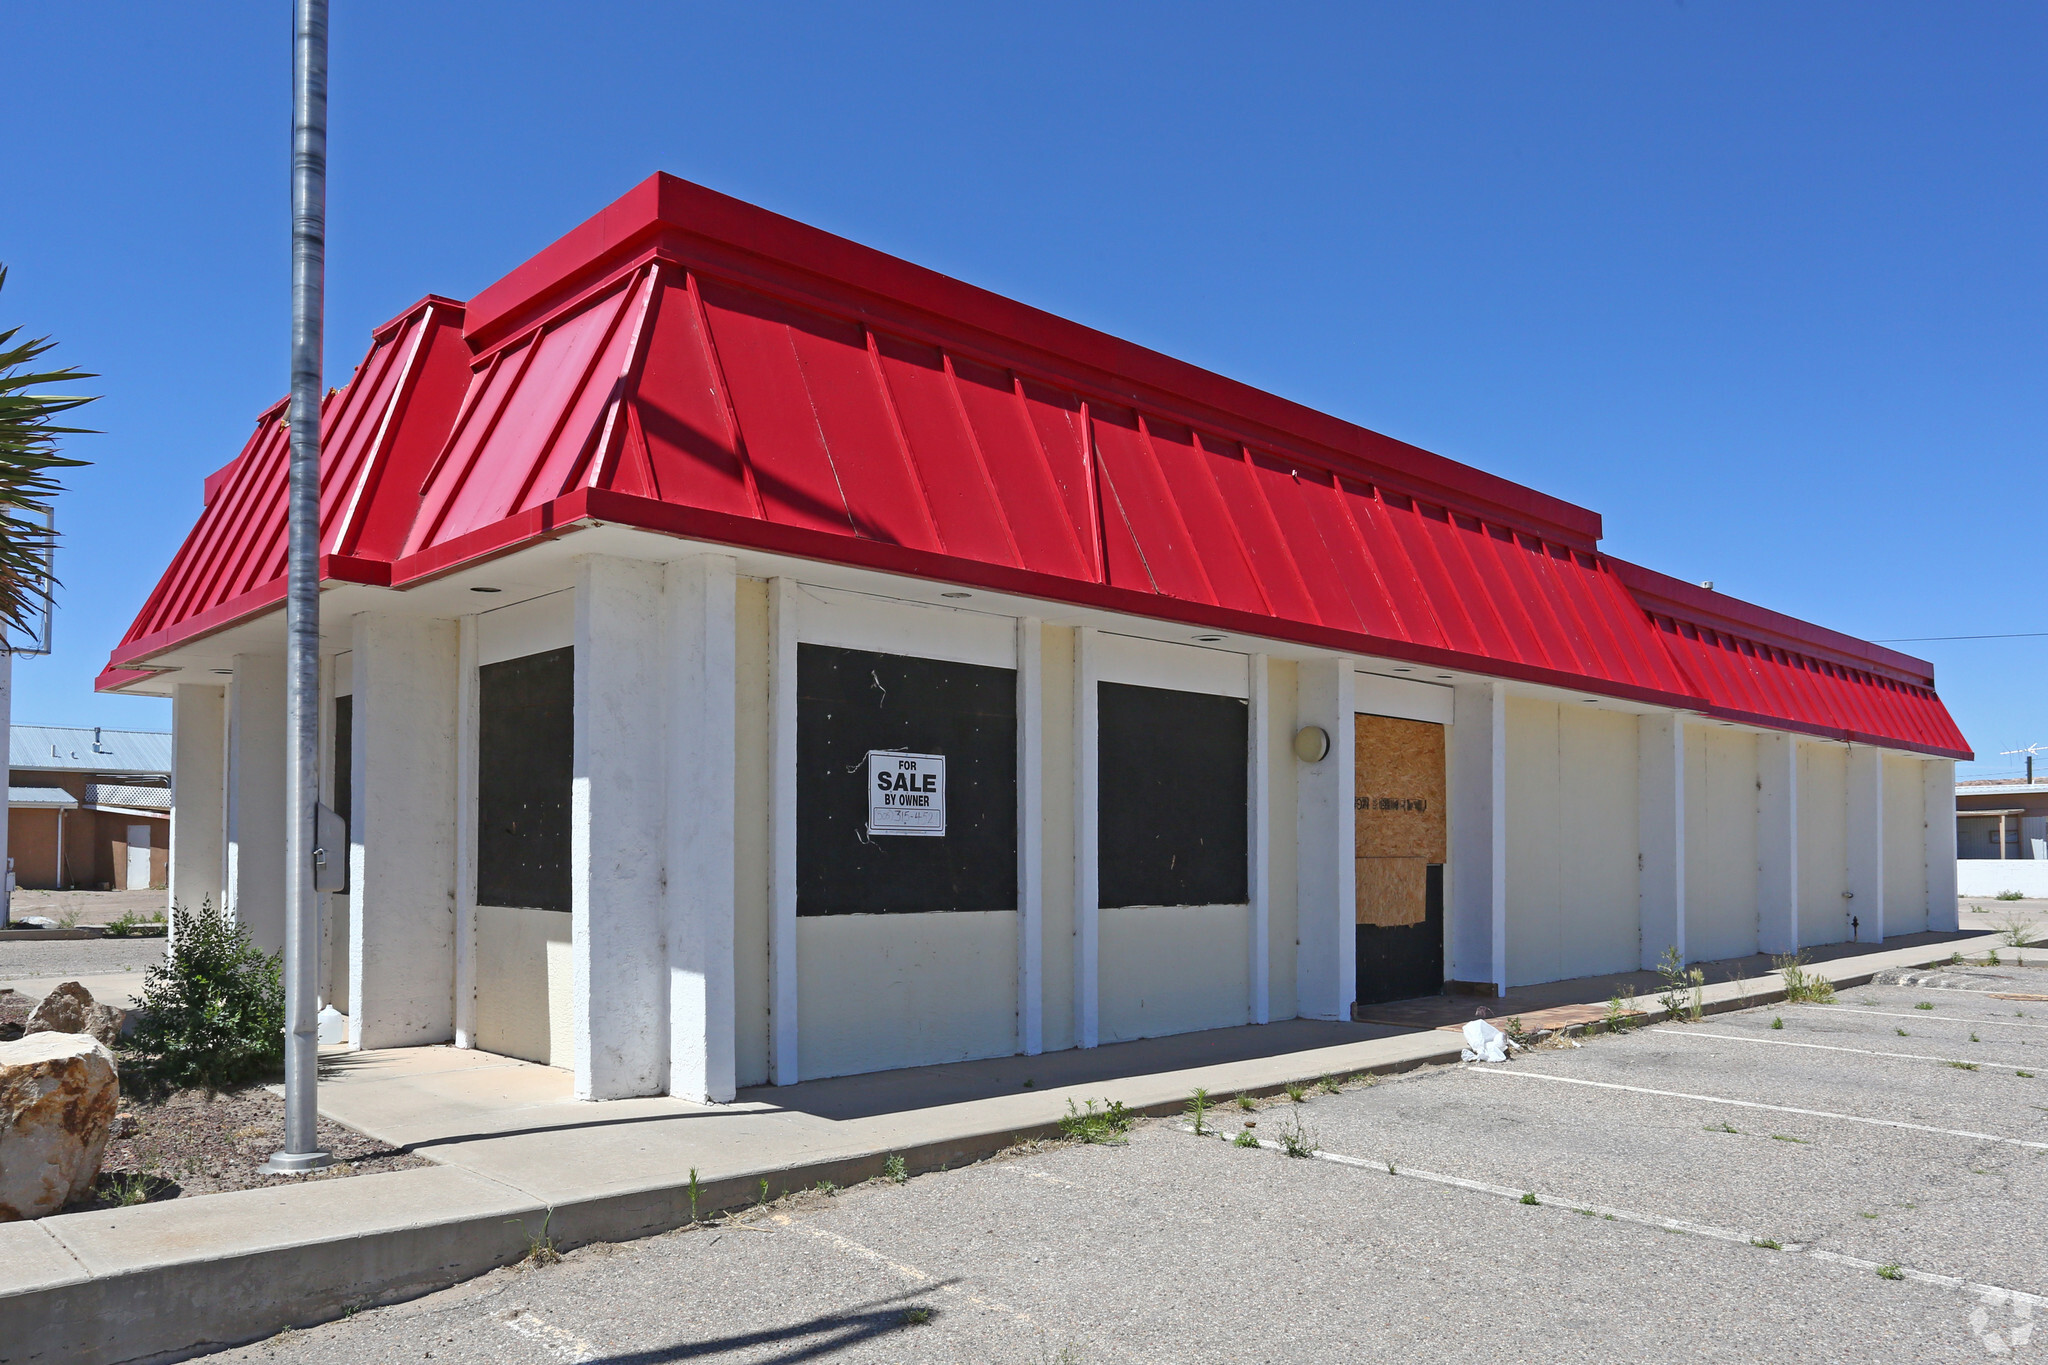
(885, 991)
(1823, 843)
(1989, 876)
(1938, 805)
(1660, 838)
(750, 833)
(198, 856)
(1905, 847)
(1476, 879)
(1777, 842)
(1325, 837)
(1864, 815)
(1057, 910)
(255, 806)
(525, 996)
(1282, 719)
(1720, 843)
(1572, 890)
(1172, 969)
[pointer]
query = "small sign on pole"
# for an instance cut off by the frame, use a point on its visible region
(906, 793)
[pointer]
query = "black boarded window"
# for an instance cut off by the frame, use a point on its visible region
(525, 752)
(1172, 787)
(344, 774)
(850, 701)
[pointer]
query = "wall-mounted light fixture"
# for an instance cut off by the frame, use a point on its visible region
(1311, 743)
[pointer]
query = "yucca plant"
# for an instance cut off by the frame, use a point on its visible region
(29, 437)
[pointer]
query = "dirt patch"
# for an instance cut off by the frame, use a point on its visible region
(15, 1008)
(189, 1144)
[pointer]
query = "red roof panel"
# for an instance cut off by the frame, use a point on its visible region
(703, 368)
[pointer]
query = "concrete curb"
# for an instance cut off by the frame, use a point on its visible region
(296, 1256)
(51, 935)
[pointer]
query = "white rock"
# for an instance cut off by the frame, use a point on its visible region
(58, 1096)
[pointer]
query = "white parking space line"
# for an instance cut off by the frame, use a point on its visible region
(1966, 1062)
(1759, 1104)
(910, 1273)
(1924, 1015)
(1990, 1293)
(564, 1345)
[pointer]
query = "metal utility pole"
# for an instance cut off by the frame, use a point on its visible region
(302, 596)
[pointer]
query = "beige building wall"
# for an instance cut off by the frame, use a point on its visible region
(1057, 913)
(525, 985)
(1905, 847)
(1282, 932)
(1572, 888)
(1720, 842)
(1823, 843)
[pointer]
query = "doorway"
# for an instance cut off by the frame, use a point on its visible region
(138, 878)
(1401, 848)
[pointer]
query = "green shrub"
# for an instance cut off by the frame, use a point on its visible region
(1107, 1126)
(1801, 985)
(2010, 896)
(212, 1014)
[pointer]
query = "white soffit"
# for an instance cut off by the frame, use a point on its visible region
(531, 627)
(1378, 695)
(854, 620)
(1177, 668)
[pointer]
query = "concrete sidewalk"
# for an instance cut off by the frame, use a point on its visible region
(518, 1157)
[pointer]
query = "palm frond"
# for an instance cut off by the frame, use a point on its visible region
(29, 457)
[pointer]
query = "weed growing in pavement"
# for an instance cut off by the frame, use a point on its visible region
(1516, 1030)
(1529, 1197)
(1870, 1216)
(1767, 1243)
(1364, 1078)
(915, 1315)
(1963, 1066)
(1955, 959)
(826, 1188)
(1296, 1091)
(2010, 896)
(1803, 986)
(1991, 958)
(895, 1170)
(1297, 1141)
(1786, 1137)
(1245, 1138)
(1390, 1168)
(1722, 1127)
(1974, 1038)
(1777, 1021)
(540, 1247)
(2024, 1075)
(1890, 1272)
(1684, 993)
(1106, 1126)
(764, 1189)
(1740, 982)
(1924, 1005)
(2016, 933)
(1247, 1103)
(695, 1190)
(1330, 1085)
(1901, 1032)
(1198, 1110)
(132, 1187)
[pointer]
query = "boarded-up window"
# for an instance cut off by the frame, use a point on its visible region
(853, 701)
(344, 775)
(1172, 791)
(525, 749)
(1400, 817)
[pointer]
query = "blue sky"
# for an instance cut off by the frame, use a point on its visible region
(1762, 284)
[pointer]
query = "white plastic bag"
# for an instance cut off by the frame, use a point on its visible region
(1485, 1043)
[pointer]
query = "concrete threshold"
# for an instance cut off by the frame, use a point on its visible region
(520, 1159)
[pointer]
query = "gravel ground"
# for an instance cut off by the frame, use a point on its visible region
(192, 1144)
(1176, 1248)
(78, 957)
(93, 907)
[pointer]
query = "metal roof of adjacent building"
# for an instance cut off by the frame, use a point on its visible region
(41, 796)
(692, 365)
(88, 749)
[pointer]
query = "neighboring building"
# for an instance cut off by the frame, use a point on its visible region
(1999, 821)
(89, 807)
(749, 657)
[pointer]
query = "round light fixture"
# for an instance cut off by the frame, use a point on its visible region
(1404, 670)
(1311, 744)
(225, 672)
(1207, 639)
(487, 590)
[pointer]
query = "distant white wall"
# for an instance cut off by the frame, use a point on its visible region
(525, 979)
(198, 795)
(1823, 843)
(878, 992)
(1720, 843)
(1979, 877)
(1571, 837)
(1905, 847)
(1172, 969)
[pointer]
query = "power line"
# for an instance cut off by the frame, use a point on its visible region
(1930, 639)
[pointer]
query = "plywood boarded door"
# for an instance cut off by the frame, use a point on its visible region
(1401, 847)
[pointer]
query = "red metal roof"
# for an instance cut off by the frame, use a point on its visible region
(693, 365)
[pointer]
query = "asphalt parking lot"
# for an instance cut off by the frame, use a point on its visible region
(1861, 1181)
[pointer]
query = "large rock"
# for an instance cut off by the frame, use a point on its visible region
(58, 1096)
(62, 1011)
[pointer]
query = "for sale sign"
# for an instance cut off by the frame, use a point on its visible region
(906, 793)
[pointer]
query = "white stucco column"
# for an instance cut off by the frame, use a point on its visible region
(199, 745)
(617, 835)
(465, 830)
(782, 977)
(1777, 842)
(1326, 963)
(1660, 835)
(1866, 841)
(1030, 835)
(401, 928)
(1258, 837)
(702, 704)
(1938, 800)
(1087, 837)
(255, 805)
(1478, 909)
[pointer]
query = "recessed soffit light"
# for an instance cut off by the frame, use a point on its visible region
(1208, 639)
(956, 594)
(487, 590)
